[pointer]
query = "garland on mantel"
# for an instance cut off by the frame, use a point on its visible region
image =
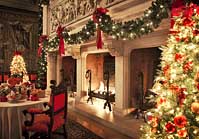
(118, 30)
(128, 30)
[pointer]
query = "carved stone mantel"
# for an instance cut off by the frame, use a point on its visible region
(115, 47)
(75, 52)
(52, 57)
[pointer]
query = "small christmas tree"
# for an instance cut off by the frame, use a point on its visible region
(176, 114)
(18, 66)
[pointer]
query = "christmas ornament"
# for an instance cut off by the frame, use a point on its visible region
(170, 127)
(195, 107)
(180, 121)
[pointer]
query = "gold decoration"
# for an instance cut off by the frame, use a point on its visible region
(195, 107)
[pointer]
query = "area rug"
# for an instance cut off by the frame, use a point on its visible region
(77, 131)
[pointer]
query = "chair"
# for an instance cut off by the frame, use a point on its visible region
(44, 123)
(33, 77)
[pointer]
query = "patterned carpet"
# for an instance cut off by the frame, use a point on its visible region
(77, 131)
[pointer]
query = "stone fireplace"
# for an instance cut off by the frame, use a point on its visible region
(87, 56)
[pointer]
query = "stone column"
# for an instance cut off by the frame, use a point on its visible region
(116, 48)
(122, 81)
(51, 68)
(79, 79)
(59, 67)
(75, 52)
(45, 19)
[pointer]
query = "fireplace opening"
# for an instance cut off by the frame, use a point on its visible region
(69, 65)
(100, 77)
(99, 64)
(144, 66)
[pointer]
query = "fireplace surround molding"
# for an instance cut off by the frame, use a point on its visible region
(120, 49)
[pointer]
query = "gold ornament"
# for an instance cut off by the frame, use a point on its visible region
(195, 107)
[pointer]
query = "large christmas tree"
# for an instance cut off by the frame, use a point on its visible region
(176, 112)
(18, 66)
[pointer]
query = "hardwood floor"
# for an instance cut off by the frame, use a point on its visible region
(105, 123)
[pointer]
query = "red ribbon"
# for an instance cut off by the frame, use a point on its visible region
(99, 38)
(61, 40)
(17, 53)
(96, 16)
(42, 38)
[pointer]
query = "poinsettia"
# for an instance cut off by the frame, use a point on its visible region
(170, 127)
(180, 121)
(182, 133)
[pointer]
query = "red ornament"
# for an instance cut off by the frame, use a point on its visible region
(180, 121)
(170, 127)
(189, 11)
(188, 66)
(161, 101)
(178, 57)
(177, 8)
(188, 22)
(182, 133)
(195, 32)
(178, 39)
(172, 22)
(181, 97)
(166, 70)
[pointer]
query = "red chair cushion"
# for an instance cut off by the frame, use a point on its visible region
(42, 123)
(59, 102)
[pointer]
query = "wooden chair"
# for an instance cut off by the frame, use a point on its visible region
(33, 77)
(44, 123)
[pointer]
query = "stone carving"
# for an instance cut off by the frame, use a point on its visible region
(69, 10)
(75, 52)
(115, 48)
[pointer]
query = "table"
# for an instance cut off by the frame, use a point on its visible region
(12, 118)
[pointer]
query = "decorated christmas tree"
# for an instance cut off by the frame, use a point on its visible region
(18, 67)
(176, 111)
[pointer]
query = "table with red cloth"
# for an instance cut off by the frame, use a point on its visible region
(12, 118)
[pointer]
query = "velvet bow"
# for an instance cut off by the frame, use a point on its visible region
(96, 16)
(59, 31)
(42, 38)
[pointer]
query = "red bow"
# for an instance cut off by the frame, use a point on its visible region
(61, 40)
(42, 38)
(96, 16)
(99, 12)
(17, 53)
